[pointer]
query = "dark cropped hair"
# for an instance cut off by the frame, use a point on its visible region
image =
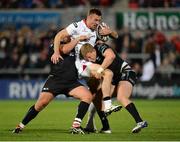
(95, 11)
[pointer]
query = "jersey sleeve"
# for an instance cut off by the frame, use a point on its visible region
(102, 48)
(72, 28)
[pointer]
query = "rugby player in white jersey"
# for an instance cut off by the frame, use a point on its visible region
(86, 27)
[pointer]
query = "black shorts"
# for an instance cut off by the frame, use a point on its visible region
(56, 85)
(127, 75)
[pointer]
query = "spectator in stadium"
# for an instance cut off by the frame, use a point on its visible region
(133, 4)
(176, 42)
(52, 3)
(124, 78)
(62, 80)
(149, 65)
(42, 61)
(155, 4)
(168, 65)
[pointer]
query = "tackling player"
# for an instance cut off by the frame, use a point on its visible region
(124, 78)
(63, 79)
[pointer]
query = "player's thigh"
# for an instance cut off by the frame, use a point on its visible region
(81, 93)
(124, 90)
(43, 100)
(108, 73)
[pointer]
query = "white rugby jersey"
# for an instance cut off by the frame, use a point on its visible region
(77, 29)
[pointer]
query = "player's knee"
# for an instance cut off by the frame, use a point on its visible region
(87, 98)
(44, 103)
(121, 98)
(124, 100)
(41, 104)
(108, 73)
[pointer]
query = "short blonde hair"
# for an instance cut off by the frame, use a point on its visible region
(86, 48)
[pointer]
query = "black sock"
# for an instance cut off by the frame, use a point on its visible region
(82, 109)
(31, 114)
(133, 111)
(104, 120)
(106, 98)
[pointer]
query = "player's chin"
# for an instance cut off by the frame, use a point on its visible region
(94, 27)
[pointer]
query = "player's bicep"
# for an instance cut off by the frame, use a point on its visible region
(102, 48)
(108, 52)
(58, 38)
(63, 33)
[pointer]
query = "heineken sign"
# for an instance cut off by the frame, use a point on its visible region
(149, 20)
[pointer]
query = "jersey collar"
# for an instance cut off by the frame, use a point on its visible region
(85, 22)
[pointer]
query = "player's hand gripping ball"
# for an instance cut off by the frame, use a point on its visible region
(104, 38)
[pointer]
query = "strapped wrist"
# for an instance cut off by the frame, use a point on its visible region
(100, 70)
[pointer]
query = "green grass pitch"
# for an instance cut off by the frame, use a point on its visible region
(53, 123)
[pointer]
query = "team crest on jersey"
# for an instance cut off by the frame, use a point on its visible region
(84, 67)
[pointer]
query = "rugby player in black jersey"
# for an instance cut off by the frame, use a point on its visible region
(63, 79)
(124, 78)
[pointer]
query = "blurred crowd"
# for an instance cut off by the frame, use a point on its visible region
(153, 3)
(27, 48)
(149, 52)
(22, 4)
(40, 4)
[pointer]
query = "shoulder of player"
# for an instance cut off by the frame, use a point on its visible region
(77, 24)
(102, 45)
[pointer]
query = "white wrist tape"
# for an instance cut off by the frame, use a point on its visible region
(100, 70)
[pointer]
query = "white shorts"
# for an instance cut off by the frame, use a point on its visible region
(83, 68)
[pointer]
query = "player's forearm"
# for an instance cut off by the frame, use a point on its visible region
(57, 43)
(107, 62)
(109, 57)
(69, 46)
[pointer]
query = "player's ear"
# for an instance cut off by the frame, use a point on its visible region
(94, 50)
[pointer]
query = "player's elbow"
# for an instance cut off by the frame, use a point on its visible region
(61, 35)
(108, 73)
(65, 50)
(58, 36)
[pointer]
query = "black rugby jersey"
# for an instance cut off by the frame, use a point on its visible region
(64, 69)
(121, 70)
(115, 67)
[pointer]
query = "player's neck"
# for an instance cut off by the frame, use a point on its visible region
(85, 22)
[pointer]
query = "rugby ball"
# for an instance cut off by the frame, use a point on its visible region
(104, 38)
